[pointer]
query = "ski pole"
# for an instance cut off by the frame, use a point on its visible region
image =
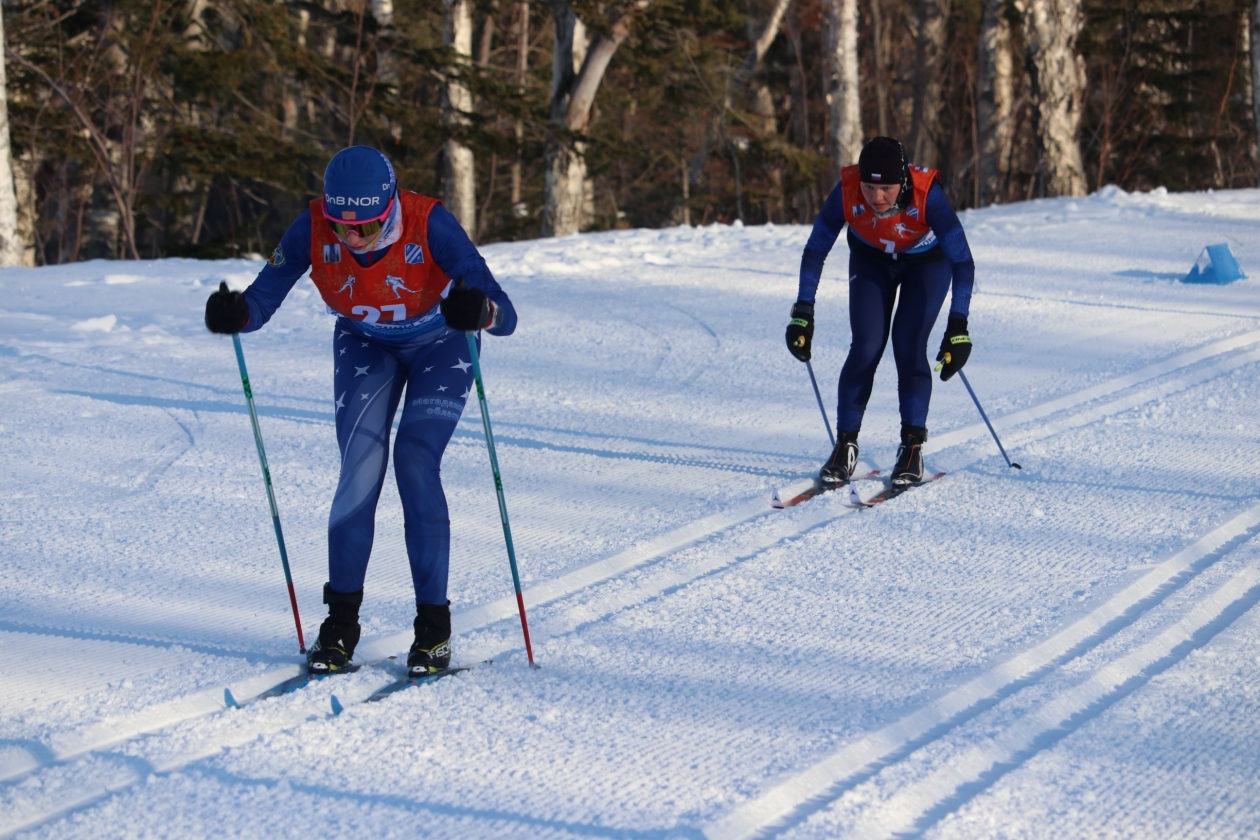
(498, 489)
(974, 399)
(818, 396)
(271, 495)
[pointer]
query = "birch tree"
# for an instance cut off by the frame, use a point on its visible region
(11, 249)
(994, 101)
(577, 68)
(844, 106)
(1057, 84)
(459, 188)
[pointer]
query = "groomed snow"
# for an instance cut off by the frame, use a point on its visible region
(1070, 650)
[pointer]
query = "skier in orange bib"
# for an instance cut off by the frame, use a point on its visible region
(383, 260)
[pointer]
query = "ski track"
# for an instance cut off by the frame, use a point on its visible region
(95, 779)
(784, 803)
(927, 768)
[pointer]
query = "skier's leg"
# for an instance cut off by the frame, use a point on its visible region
(439, 384)
(923, 290)
(368, 381)
(872, 291)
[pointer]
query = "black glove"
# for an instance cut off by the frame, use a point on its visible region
(800, 332)
(466, 309)
(226, 311)
(955, 348)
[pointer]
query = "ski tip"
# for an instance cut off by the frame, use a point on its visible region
(229, 700)
(337, 708)
(775, 501)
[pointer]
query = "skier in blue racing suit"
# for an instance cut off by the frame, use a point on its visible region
(907, 249)
(383, 259)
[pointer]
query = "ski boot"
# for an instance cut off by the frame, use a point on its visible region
(839, 467)
(909, 469)
(431, 652)
(338, 634)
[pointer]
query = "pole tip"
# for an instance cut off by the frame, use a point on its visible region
(1016, 466)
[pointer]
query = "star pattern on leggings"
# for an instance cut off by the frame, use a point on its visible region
(341, 403)
(441, 387)
(462, 366)
(361, 371)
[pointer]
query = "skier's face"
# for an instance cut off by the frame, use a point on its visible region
(880, 196)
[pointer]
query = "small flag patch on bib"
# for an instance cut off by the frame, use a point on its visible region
(413, 254)
(332, 253)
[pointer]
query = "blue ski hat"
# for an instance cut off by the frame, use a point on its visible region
(359, 184)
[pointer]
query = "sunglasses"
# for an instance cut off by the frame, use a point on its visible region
(365, 229)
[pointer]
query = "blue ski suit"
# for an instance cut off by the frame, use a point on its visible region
(923, 279)
(374, 365)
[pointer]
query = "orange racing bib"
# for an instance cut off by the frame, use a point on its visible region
(896, 234)
(404, 284)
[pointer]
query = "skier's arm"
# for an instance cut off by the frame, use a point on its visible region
(288, 263)
(455, 254)
(944, 223)
(827, 227)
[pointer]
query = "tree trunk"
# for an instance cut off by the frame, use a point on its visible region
(1253, 35)
(844, 126)
(994, 100)
(879, 34)
(923, 145)
(11, 246)
(1057, 84)
(518, 126)
(576, 73)
(459, 189)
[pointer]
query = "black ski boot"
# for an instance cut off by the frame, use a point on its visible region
(909, 469)
(338, 634)
(839, 467)
(431, 652)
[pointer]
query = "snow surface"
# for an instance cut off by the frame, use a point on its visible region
(1068, 651)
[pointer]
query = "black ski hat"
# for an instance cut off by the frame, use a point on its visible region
(883, 161)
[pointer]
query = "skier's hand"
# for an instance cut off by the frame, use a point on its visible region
(226, 311)
(467, 309)
(800, 332)
(955, 348)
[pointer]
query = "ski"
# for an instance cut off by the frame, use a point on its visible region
(293, 684)
(890, 492)
(817, 489)
(289, 686)
(405, 683)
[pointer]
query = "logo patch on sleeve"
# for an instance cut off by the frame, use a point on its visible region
(277, 257)
(413, 254)
(912, 212)
(332, 253)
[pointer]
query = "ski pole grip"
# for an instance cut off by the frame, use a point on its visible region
(944, 362)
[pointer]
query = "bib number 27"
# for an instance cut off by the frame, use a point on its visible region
(372, 315)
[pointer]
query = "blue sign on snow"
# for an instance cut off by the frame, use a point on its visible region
(1215, 265)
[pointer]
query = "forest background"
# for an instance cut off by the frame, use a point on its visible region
(153, 128)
